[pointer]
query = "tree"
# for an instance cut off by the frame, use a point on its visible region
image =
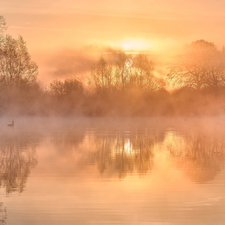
(215, 76)
(121, 70)
(142, 76)
(16, 67)
(102, 75)
(68, 87)
(67, 96)
(3, 28)
(126, 72)
(200, 65)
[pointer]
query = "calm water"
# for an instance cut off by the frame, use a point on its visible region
(112, 171)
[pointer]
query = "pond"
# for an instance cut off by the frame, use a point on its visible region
(112, 171)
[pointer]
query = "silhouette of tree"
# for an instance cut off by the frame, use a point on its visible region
(68, 87)
(67, 95)
(199, 66)
(102, 76)
(142, 76)
(127, 72)
(121, 70)
(16, 67)
(3, 28)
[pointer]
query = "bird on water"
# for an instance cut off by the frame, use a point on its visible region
(11, 124)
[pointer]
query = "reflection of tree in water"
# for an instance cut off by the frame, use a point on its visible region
(126, 152)
(3, 214)
(68, 139)
(201, 156)
(17, 157)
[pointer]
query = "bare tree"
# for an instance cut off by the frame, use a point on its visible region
(102, 75)
(121, 72)
(127, 72)
(68, 87)
(215, 76)
(199, 66)
(16, 67)
(143, 74)
(3, 28)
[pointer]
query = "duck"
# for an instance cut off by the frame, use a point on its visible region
(11, 124)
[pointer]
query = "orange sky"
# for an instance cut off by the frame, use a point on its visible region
(52, 27)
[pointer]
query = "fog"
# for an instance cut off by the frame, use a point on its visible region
(116, 147)
(51, 158)
(98, 80)
(112, 112)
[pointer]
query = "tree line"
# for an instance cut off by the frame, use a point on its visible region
(118, 84)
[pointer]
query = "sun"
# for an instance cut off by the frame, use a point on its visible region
(135, 44)
(126, 46)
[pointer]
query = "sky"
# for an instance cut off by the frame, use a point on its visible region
(58, 31)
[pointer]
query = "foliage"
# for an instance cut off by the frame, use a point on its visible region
(3, 28)
(123, 85)
(16, 67)
(102, 76)
(200, 65)
(128, 72)
(67, 87)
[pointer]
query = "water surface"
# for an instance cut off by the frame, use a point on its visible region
(112, 171)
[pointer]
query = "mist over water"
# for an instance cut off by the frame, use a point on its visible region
(112, 112)
(112, 170)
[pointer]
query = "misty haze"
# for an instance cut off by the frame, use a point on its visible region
(112, 112)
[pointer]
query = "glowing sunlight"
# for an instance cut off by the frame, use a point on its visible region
(135, 44)
(112, 112)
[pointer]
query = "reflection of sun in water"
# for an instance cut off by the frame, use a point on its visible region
(125, 148)
(128, 147)
(129, 62)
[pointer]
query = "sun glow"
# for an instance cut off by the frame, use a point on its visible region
(136, 45)
(129, 63)
(128, 147)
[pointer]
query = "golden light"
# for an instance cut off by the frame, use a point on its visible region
(136, 44)
(129, 62)
(128, 147)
